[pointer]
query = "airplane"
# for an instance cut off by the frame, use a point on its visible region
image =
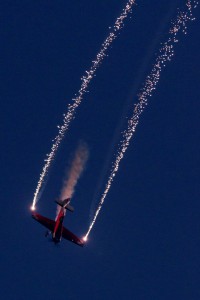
(55, 227)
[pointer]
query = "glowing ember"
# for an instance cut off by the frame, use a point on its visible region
(85, 238)
(33, 208)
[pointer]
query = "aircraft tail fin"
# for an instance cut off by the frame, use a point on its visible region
(65, 204)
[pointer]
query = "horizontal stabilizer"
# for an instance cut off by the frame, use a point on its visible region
(65, 204)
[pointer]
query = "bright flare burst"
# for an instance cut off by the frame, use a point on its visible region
(85, 238)
(166, 53)
(86, 79)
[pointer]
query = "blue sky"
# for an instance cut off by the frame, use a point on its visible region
(145, 243)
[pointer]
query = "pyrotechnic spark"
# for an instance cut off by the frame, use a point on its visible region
(165, 55)
(86, 79)
(85, 238)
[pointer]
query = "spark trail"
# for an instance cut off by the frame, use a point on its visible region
(166, 53)
(86, 79)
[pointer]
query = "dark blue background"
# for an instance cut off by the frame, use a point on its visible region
(146, 241)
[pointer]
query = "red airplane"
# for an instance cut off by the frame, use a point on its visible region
(56, 228)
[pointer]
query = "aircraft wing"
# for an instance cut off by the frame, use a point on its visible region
(48, 223)
(66, 234)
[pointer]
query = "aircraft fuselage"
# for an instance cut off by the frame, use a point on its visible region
(56, 227)
(57, 233)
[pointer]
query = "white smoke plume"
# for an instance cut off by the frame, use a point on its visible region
(75, 171)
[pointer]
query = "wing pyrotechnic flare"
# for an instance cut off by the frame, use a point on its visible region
(86, 79)
(85, 238)
(165, 55)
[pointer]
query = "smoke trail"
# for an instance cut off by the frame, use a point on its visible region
(86, 79)
(73, 174)
(75, 171)
(166, 54)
